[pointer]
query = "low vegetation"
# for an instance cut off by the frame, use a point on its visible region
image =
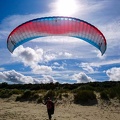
(84, 93)
(85, 97)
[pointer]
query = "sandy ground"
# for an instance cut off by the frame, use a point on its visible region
(11, 110)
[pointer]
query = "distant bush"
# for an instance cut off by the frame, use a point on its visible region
(116, 91)
(112, 94)
(104, 95)
(16, 91)
(28, 96)
(50, 94)
(5, 93)
(83, 87)
(60, 91)
(34, 97)
(39, 100)
(25, 96)
(86, 87)
(85, 97)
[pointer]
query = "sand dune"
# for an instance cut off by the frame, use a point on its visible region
(11, 110)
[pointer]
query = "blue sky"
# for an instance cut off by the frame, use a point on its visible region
(60, 59)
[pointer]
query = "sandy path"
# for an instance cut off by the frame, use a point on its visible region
(10, 110)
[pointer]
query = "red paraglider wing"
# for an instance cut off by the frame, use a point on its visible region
(56, 26)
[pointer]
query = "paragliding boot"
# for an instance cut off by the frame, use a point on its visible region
(49, 114)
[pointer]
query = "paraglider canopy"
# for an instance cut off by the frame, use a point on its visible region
(56, 26)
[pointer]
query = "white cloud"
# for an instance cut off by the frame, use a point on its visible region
(82, 78)
(65, 54)
(48, 57)
(112, 29)
(87, 67)
(56, 64)
(15, 77)
(31, 58)
(111, 32)
(18, 78)
(48, 79)
(113, 74)
(68, 54)
(99, 55)
(28, 55)
(38, 69)
(58, 67)
(105, 62)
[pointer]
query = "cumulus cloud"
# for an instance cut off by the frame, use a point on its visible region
(18, 78)
(34, 57)
(113, 74)
(15, 77)
(48, 79)
(49, 57)
(82, 78)
(31, 58)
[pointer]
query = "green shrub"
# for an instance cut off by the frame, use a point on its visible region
(5, 93)
(34, 97)
(85, 97)
(104, 95)
(28, 96)
(112, 94)
(62, 91)
(39, 100)
(16, 91)
(25, 96)
(85, 87)
(50, 94)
